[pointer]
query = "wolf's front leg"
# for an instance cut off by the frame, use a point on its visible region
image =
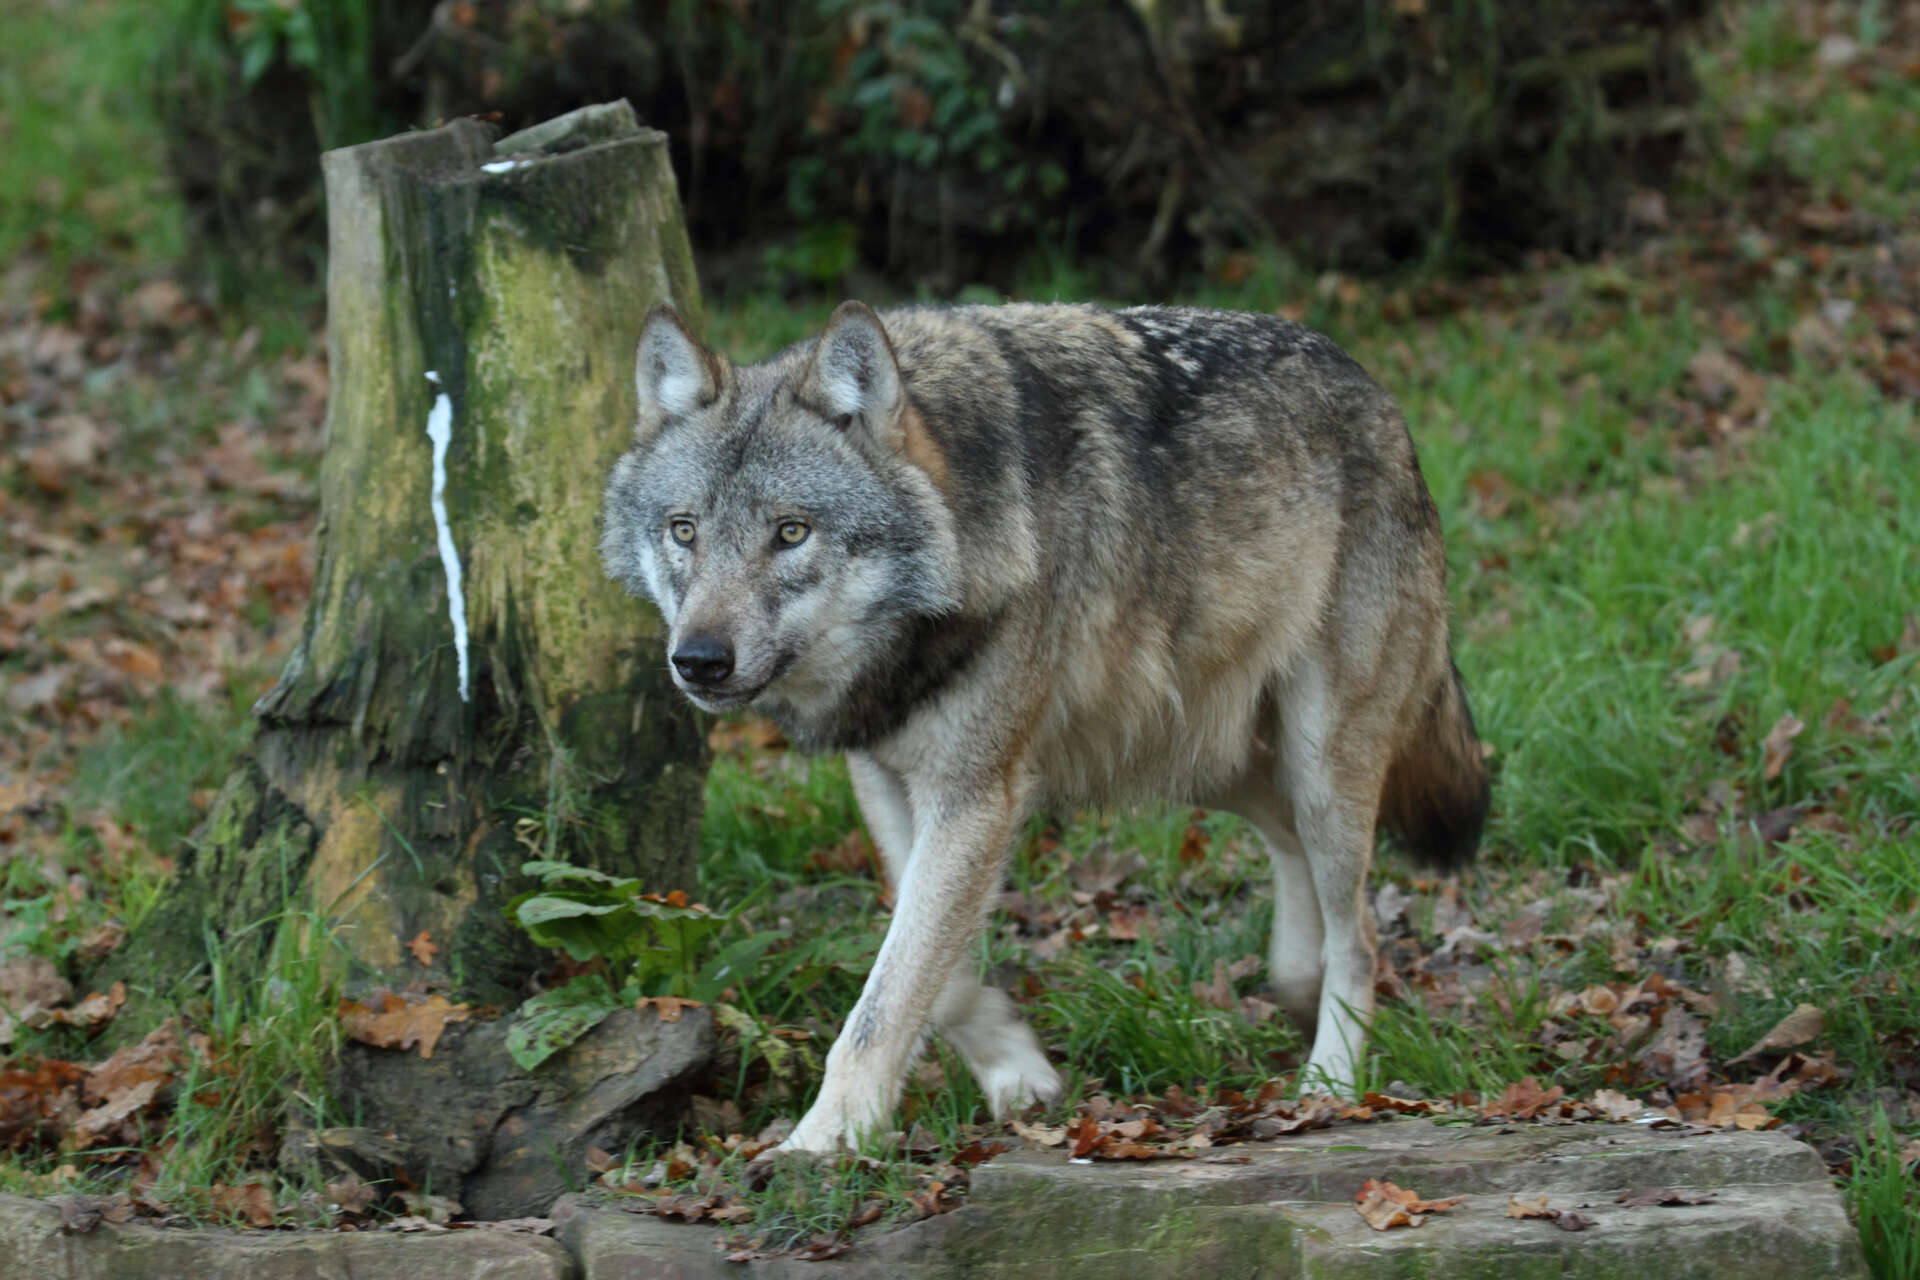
(979, 1022)
(940, 905)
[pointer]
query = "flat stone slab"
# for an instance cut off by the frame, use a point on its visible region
(32, 1244)
(1285, 1211)
(1282, 1210)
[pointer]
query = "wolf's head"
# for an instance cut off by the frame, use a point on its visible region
(782, 516)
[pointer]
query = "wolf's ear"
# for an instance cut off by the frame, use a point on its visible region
(673, 373)
(853, 378)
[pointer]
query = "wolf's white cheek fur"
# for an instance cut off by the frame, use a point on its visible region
(836, 623)
(659, 585)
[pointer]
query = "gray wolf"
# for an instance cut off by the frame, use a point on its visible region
(1023, 556)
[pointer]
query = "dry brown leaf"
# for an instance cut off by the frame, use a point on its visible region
(669, 1008)
(250, 1201)
(1039, 1135)
(435, 1209)
(400, 1023)
(37, 1101)
(978, 1153)
(1531, 1207)
(105, 1122)
(1405, 1106)
(1382, 1205)
(1805, 1023)
(1614, 1106)
(26, 981)
(1193, 845)
(98, 1007)
(423, 947)
(1677, 1054)
(1779, 744)
(351, 1194)
(1522, 1101)
(81, 1214)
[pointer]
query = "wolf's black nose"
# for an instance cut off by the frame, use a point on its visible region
(703, 660)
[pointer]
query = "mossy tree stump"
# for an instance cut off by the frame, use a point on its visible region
(468, 690)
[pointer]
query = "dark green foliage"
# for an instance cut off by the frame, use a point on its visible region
(950, 141)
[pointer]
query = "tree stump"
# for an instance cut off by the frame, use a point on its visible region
(469, 690)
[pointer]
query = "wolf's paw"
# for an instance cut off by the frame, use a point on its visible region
(1019, 1080)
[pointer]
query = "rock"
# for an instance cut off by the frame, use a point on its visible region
(504, 1142)
(372, 1156)
(1287, 1212)
(31, 1244)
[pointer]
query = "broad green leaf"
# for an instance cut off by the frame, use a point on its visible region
(552, 1020)
(552, 871)
(545, 907)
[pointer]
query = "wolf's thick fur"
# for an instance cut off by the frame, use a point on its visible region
(1007, 557)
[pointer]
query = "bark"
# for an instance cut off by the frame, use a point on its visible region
(399, 777)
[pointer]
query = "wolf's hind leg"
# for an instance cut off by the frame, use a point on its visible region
(1332, 776)
(983, 1027)
(979, 1022)
(1293, 954)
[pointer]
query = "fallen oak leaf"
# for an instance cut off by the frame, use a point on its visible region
(37, 1102)
(931, 1201)
(668, 1008)
(1039, 1135)
(101, 1123)
(978, 1153)
(1805, 1023)
(1405, 1106)
(1522, 1101)
(435, 1209)
(423, 947)
(1382, 1205)
(1614, 1106)
(250, 1200)
(350, 1194)
(1537, 1207)
(1086, 1134)
(80, 1214)
(27, 981)
(400, 1023)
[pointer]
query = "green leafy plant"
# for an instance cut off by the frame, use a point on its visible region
(648, 945)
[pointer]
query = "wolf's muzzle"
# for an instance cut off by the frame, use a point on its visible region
(704, 661)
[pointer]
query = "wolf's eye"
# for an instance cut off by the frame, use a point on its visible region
(682, 531)
(792, 533)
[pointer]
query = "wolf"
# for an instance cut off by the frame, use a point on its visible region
(1014, 557)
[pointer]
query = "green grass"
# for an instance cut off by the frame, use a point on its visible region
(83, 153)
(1885, 1200)
(271, 1039)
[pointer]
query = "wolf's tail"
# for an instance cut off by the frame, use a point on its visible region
(1437, 792)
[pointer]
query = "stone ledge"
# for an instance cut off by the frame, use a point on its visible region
(1281, 1210)
(1284, 1211)
(32, 1244)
